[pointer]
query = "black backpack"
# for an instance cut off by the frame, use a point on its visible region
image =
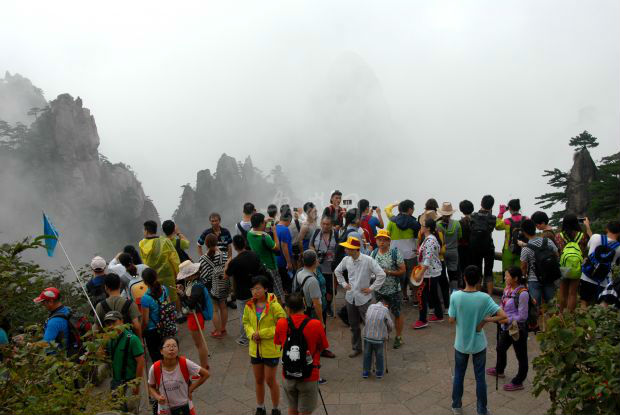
(546, 262)
(515, 234)
(182, 254)
(124, 310)
(96, 293)
(297, 363)
(300, 289)
(480, 240)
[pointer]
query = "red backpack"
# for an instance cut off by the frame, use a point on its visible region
(182, 365)
(365, 225)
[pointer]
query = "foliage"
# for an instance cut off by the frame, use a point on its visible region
(559, 180)
(605, 190)
(578, 365)
(584, 140)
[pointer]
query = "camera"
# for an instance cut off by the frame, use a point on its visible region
(321, 256)
(374, 208)
(581, 220)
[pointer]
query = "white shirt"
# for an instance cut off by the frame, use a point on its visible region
(360, 271)
(593, 243)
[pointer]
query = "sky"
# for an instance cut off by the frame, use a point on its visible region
(384, 100)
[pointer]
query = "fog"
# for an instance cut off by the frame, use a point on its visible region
(386, 100)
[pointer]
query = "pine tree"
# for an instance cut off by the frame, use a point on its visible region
(559, 180)
(584, 140)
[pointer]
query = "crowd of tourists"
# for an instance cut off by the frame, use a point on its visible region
(282, 270)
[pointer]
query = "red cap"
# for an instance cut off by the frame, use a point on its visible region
(50, 293)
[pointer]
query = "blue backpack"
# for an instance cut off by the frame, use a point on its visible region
(597, 265)
(207, 308)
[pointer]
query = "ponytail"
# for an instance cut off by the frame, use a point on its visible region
(431, 224)
(149, 275)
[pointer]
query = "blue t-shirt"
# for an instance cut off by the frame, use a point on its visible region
(284, 235)
(373, 222)
(469, 309)
(148, 302)
(57, 325)
(4, 339)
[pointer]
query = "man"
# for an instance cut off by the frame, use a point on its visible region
(359, 289)
(285, 257)
(481, 244)
(452, 232)
(541, 220)
(127, 356)
(392, 262)
(368, 222)
(609, 296)
(471, 309)
(403, 229)
(466, 208)
(245, 225)
(224, 238)
(115, 302)
(295, 228)
(121, 265)
(307, 283)
(56, 328)
(323, 241)
(264, 246)
(245, 265)
(94, 287)
(159, 254)
(179, 241)
(302, 394)
(334, 211)
(538, 289)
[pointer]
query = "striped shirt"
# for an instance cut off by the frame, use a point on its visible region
(377, 322)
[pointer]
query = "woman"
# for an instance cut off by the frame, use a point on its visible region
(309, 226)
(150, 302)
(430, 211)
(194, 301)
(135, 256)
(428, 258)
(571, 232)
(173, 379)
(212, 275)
(515, 304)
(511, 252)
(260, 316)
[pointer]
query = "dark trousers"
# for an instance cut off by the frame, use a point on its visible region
(427, 290)
(464, 262)
(153, 344)
(477, 259)
(520, 346)
(287, 281)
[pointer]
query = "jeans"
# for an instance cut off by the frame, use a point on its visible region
(520, 346)
(540, 292)
(240, 308)
(460, 366)
(356, 313)
(370, 348)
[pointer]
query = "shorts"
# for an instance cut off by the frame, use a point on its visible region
(267, 361)
(589, 292)
(301, 395)
(451, 258)
(394, 301)
(217, 300)
(192, 325)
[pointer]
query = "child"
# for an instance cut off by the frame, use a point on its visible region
(378, 324)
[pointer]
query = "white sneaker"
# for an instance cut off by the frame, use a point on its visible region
(457, 411)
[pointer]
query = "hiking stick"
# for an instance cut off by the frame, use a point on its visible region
(385, 350)
(496, 372)
(321, 395)
(201, 333)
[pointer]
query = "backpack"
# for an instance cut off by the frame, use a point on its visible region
(300, 289)
(181, 253)
(243, 233)
(365, 225)
(125, 356)
(531, 323)
(79, 327)
(207, 307)
(394, 254)
(480, 236)
(124, 310)
(572, 257)
(515, 233)
(546, 262)
(597, 265)
(167, 325)
(136, 290)
(182, 365)
(96, 293)
(297, 363)
(339, 254)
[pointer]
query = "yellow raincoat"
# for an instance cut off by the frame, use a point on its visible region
(266, 327)
(159, 253)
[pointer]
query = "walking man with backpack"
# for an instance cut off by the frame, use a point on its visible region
(302, 340)
(115, 302)
(481, 244)
(95, 287)
(57, 327)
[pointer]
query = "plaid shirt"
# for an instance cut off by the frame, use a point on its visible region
(378, 322)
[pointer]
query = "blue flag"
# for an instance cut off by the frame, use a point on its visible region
(49, 230)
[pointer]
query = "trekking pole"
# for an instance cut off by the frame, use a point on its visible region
(321, 395)
(496, 373)
(200, 330)
(385, 350)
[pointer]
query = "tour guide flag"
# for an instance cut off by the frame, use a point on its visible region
(52, 233)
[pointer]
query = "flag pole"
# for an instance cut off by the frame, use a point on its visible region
(76, 275)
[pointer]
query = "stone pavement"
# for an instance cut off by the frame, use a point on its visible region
(419, 379)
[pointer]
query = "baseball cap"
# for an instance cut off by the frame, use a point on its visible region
(50, 293)
(98, 264)
(112, 316)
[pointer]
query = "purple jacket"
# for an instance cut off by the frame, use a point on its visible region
(508, 305)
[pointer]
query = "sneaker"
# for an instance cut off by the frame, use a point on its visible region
(275, 411)
(365, 374)
(419, 325)
(379, 375)
(435, 319)
(330, 311)
(260, 411)
(355, 353)
(512, 387)
(398, 341)
(242, 342)
(457, 411)
(322, 381)
(328, 354)
(493, 372)
(431, 312)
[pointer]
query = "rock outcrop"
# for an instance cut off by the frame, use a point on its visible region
(581, 175)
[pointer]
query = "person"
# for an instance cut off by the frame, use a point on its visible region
(195, 301)
(95, 287)
(127, 359)
(482, 248)
(392, 262)
(56, 328)
(334, 211)
(539, 290)
(609, 296)
(123, 266)
(428, 258)
(155, 295)
(430, 211)
(260, 317)
(245, 265)
(514, 302)
(244, 226)
(224, 238)
(306, 282)
(285, 259)
(571, 232)
(179, 241)
(159, 254)
(378, 325)
(511, 250)
(466, 208)
(471, 309)
(541, 220)
(308, 227)
(403, 229)
(295, 229)
(302, 394)
(352, 228)
(212, 265)
(135, 255)
(173, 379)
(359, 288)
(264, 246)
(589, 288)
(368, 222)
(451, 229)
(323, 242)
(270, 221)
(116, 302)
